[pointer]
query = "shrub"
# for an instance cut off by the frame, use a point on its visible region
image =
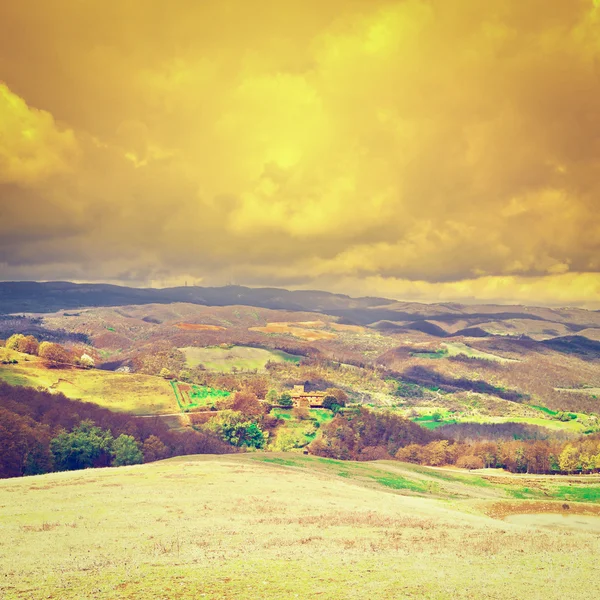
(87, 361)
(301, 413)
(470, 462)
(374, 453)
(408, 390)
(289, 440)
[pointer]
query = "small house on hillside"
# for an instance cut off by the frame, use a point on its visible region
(302, 398)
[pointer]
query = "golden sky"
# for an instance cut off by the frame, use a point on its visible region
(418, 149)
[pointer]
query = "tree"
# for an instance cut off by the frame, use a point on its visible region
(12, 343)
(154, 449)
(23, 343)
(86, 446)
(165, 373)
(272, 396)
(438, 452)
(348, 433)
(568, 459)
(247, 403)
(24, 446)
(235, 428)
(374, 453)
(285, 400)
(257, 384)
(53, 352)
(331, 402)
(126, 451)
(413, 453)
(340, 396)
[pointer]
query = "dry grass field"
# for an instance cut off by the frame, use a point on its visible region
(288, 526)
(305, 330)
(199, 327)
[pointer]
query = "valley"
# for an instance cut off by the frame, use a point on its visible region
(461, 446)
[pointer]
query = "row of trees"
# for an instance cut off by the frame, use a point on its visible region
(89, 446)
(516, 456)
(51, 351)
(363, 434)
(42, 432)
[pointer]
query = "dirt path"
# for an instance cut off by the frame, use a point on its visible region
(177, 414)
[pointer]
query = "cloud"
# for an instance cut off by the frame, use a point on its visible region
(416, 146)
(33, 146)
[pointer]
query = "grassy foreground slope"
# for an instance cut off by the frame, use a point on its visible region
(279, 526)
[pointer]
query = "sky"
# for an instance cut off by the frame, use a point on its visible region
(429, 150)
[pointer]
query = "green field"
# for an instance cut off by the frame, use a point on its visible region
(425, 419)
(297, 433)
(457, 348)
(120, 392)
(573, 426)
(429, 422)
(588, 391)
(242, 358)
(291, 526)
(199, 396)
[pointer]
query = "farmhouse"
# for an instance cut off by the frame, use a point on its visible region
(301, 397)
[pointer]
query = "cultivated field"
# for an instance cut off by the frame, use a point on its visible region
(287, 526)
(242, 358)
(458, 349)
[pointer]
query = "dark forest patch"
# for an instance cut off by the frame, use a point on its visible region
(432, 380)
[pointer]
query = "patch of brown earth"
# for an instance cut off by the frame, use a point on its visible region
(342, 327)
(500, 510)
(199, 327)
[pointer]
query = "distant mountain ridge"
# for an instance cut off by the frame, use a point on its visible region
(48, 297)
(30, 296)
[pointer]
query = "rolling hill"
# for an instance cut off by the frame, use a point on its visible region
(466, 364)
(286, 526)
